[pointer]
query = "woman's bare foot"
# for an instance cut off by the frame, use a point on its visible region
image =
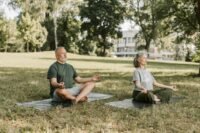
(156, 99)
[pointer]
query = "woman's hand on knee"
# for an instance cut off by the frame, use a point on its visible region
(173, 88)
(144, 91)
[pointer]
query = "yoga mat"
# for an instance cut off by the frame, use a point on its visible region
(130, 104)
(47, 103)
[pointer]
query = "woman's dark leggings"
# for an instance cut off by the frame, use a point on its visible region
(163, 94)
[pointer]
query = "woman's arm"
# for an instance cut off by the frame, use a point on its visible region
(138, 85)
(164, 86)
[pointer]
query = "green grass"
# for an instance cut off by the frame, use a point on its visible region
(27, 84)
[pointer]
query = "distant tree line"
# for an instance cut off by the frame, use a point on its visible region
(88, 26)
(83, 27)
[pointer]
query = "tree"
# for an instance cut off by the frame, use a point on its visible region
(8, 34)
(150, 16)
(32, 33)
(185, 20)
(196, 57)
(69, 27)
(68, 31)
(32, 15)
(2, 33)
(36, 8)
(101, 19)
(47, 12)
(54, 9)
(11, 36)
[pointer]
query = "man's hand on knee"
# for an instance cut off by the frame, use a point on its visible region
(96, 78)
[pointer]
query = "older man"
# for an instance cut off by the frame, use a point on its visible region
(62, 77)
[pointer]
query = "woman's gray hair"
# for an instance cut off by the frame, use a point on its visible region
(136, 63)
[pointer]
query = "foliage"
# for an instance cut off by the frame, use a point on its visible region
(2, 33)
(57, 21)
(69, 28)
(35, 8)
(32, 33)
(87, 47)
(101, 19)
(150, 16)
(9, 36)
(196, 57)
(185, 20)
(54, 7)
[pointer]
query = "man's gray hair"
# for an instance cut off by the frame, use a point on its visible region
(58, 48)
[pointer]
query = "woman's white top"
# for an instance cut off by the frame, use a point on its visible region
(144, 77)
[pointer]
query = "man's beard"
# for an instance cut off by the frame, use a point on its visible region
(62, 60)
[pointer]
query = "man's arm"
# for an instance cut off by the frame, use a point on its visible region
(95, 78)
(54, 83)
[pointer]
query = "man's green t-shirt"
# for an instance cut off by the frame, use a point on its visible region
(63, 73)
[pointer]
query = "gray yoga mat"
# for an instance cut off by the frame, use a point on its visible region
(47, 103)
(129, 104)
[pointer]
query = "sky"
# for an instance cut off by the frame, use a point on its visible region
(129, 25)
(8, 11)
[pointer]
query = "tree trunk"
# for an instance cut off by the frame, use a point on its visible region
(147, 47)
(198, 17)
(6, 49)
(27, 47)
(55, 31)
(197, 11)
(104, 50)
(199, 69)
(104, 46)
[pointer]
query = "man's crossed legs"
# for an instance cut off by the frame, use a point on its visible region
(75, 94)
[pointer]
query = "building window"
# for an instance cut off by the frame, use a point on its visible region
(133, 39)
(120, 49)
(121, 41)
(129, 40)
(124, 40)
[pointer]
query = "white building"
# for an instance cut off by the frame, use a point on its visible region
(126, 45)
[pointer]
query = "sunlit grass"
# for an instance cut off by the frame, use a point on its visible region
(29, 83)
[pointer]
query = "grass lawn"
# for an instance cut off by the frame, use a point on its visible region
(23, 78)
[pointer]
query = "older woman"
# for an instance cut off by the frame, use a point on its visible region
(144, 82)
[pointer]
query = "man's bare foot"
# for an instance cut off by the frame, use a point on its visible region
(84, 99)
